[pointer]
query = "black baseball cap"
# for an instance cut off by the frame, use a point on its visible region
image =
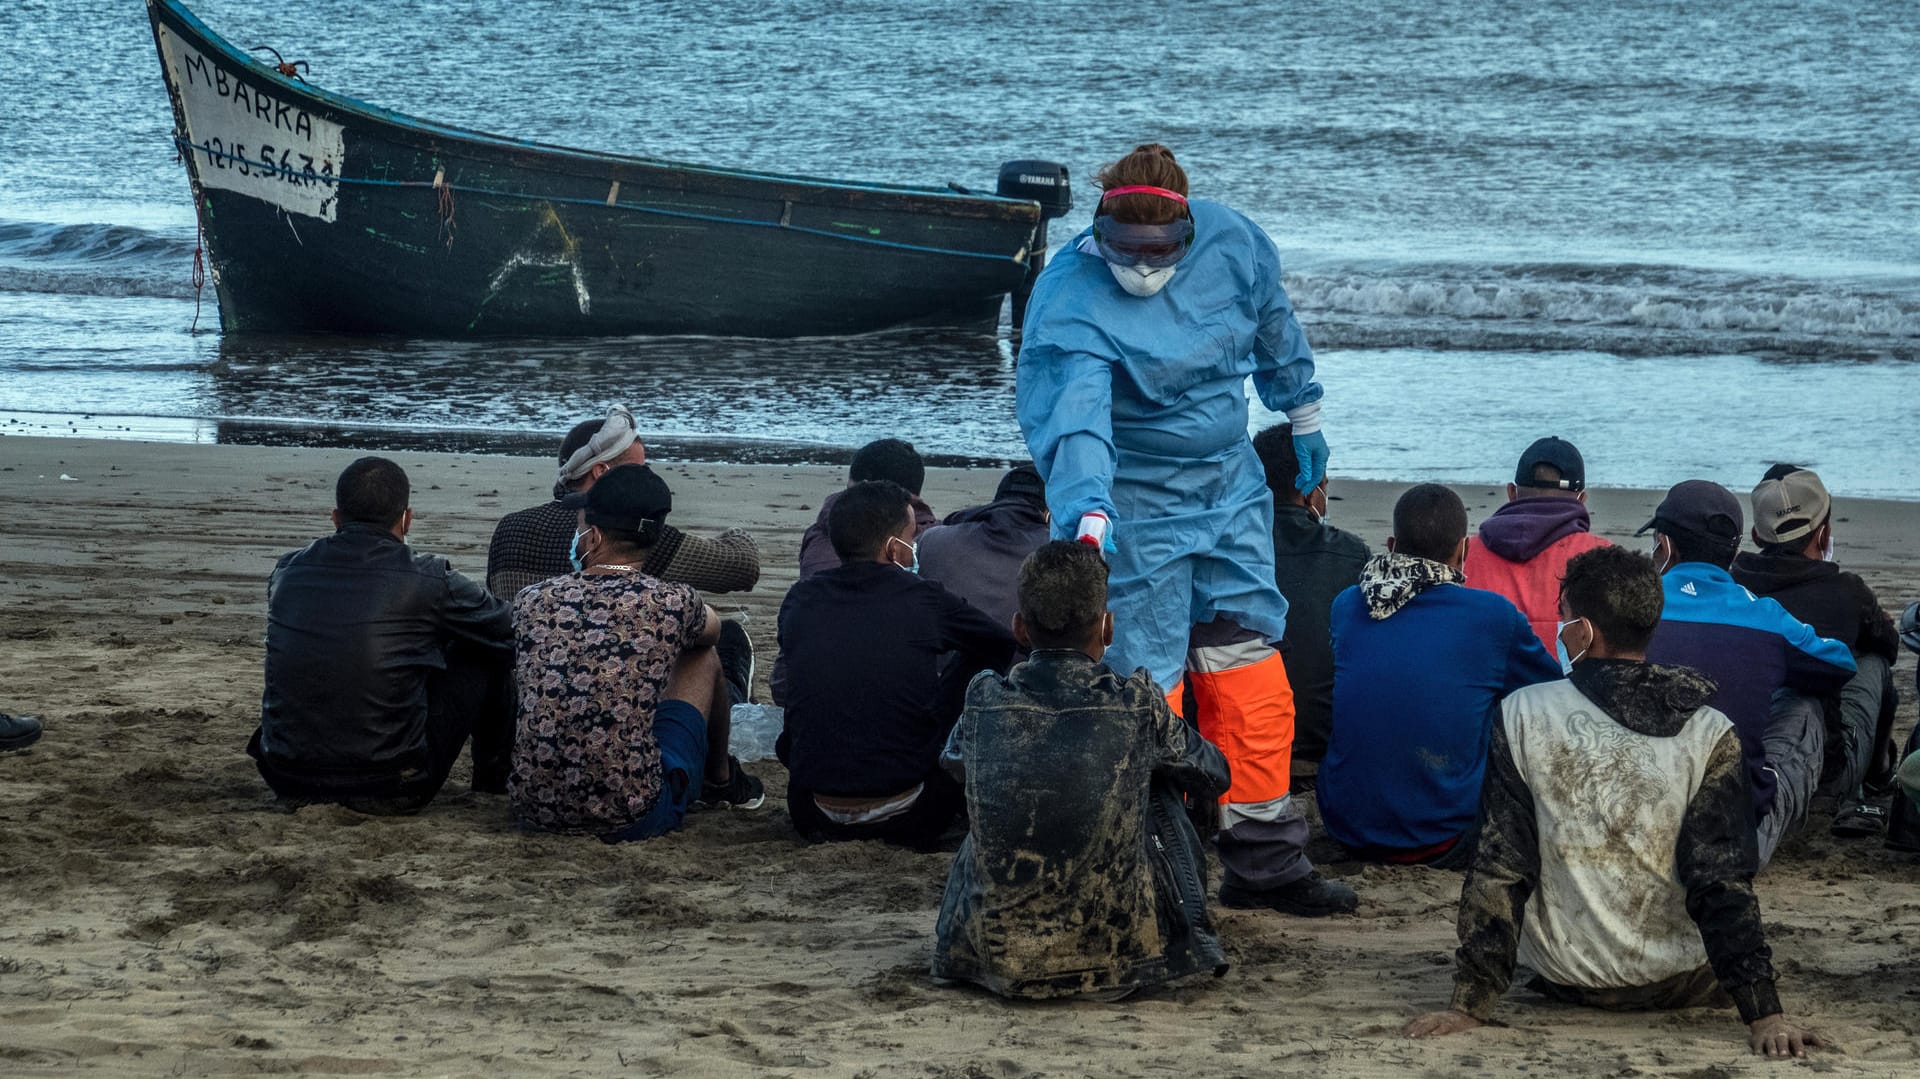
(1022, 481)
(1699, 508)
(1560, 454)
(623, 498)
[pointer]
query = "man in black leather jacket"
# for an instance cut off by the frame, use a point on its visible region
(380, 662)
(1081, 874)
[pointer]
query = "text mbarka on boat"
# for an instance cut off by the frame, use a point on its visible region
(252, 142)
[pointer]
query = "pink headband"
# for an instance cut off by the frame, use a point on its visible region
(1143, 189)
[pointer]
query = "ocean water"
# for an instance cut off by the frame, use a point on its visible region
(1686, 238)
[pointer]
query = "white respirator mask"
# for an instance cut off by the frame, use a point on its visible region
(1142, 280)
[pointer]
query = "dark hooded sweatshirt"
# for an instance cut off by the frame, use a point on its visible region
(1839, 606)
(977, 552)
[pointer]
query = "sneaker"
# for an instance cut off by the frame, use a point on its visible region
(1312, 896)
(18, 732)
(740, 791)
(1859, 820)
(736, 661)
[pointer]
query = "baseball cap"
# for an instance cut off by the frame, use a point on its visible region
(623, 498)
(1698, 507)
(1789, 508)
(1560, 454)
(1022, 481)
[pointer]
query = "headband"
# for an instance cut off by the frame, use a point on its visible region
(610, 441)
(1144, 189)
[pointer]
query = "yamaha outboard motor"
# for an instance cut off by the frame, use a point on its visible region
(1047, 183)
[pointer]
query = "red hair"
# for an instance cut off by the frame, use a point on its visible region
(1149, 165)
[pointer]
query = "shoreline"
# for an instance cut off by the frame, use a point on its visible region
(536, 444)
(167, 916)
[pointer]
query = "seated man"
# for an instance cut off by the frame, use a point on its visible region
(622, 707)
(380, 662)
(1072, 775)
(531, 545)
(1419, 668)
(868, 707)
(887, 459)
(1793, 524)
(18, 732)
(1525, 545)
(1750, 648)
(1312, 563)
(1617, 851)
(1903, 829)
(976, 553)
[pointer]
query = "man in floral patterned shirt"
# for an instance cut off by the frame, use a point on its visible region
(622, 707)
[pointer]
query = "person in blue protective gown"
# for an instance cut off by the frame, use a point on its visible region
(1139, 340)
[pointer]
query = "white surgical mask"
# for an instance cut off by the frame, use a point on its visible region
(1143, 280)
(913, 549)
(1560, 646)
(1826, 549)
(1659, 564)
(1324, 511)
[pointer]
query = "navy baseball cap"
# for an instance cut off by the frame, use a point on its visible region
(1561, 456)
(1700, 508)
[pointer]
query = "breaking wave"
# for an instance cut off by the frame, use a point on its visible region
(1628, 310)
(94, 260)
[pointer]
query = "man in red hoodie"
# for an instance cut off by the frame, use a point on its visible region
(1525, 546)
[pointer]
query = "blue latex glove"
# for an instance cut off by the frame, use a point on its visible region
(1311, 449)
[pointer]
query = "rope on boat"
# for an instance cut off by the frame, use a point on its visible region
(199, 271)
(446, 204)
(447, 189)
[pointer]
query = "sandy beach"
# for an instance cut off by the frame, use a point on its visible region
(161, 915)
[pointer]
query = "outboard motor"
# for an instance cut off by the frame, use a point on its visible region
(1047, 183)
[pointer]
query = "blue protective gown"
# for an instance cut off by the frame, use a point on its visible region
(1137, 408)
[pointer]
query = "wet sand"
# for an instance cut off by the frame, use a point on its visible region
(159, 914)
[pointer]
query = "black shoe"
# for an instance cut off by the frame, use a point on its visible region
(736, 661)
(740, 791)
(1859, 820)
(1312, 896)
(18, 732)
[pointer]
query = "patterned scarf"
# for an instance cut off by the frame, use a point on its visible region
(1390, 581)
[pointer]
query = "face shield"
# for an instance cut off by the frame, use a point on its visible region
(1155, 247)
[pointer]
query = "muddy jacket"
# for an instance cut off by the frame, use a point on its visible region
(1080, 872)
(1617, 846)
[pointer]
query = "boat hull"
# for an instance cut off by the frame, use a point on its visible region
(322, 214)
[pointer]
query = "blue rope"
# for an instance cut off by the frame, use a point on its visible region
(190, 148)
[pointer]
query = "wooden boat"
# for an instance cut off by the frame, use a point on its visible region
(323, 213)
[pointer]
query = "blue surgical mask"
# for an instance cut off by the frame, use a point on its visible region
(575, 556)
(1560, 646)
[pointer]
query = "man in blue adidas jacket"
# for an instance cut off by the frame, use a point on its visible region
(1750, 647)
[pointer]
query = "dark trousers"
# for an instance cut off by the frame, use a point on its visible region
(1860, 730)
(1697, 988)
(472, 698)
(920, 827)
(1903, 831)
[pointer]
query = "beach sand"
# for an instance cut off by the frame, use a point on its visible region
(160, 915)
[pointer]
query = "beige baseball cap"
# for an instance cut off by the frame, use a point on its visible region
(1789, 508)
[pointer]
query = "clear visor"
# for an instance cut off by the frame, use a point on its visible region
(1153, 246)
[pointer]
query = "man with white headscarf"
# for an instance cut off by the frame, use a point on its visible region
(532, 545)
